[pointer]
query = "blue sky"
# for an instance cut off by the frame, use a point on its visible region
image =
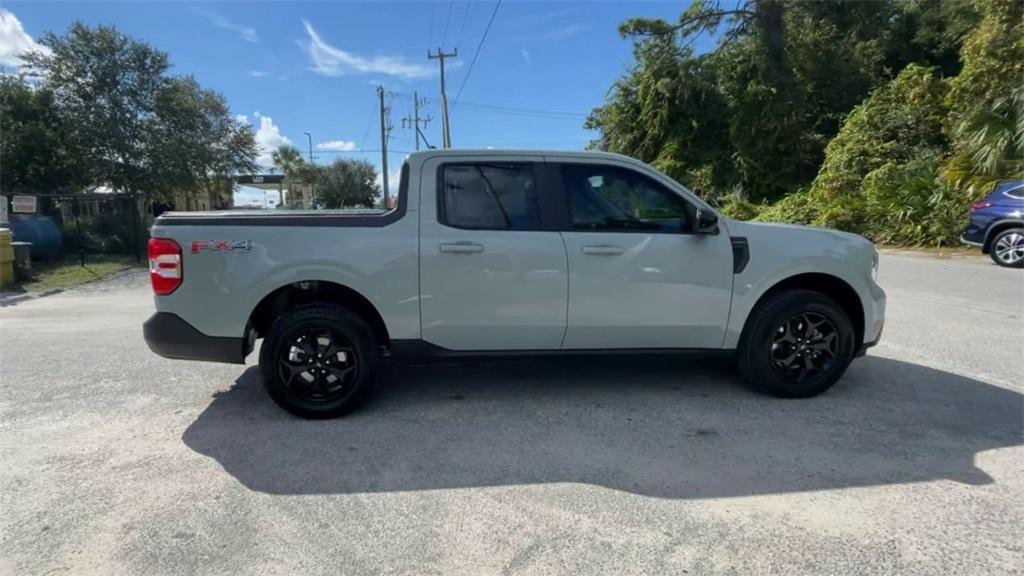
(295, 67)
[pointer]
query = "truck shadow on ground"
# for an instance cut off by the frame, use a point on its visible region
(672, 428)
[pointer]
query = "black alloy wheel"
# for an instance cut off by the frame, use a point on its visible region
(796, 343)
(318, 364)
(804, 346)
(320, 360)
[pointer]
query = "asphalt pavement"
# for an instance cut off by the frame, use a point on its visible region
(116, 461)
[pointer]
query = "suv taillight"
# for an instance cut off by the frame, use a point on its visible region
(980, 205)
(164, 265)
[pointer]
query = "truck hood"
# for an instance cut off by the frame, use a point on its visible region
(770, 230)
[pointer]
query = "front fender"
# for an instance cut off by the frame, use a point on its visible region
(779, 252)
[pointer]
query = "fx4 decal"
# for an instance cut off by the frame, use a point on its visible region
(221, 246)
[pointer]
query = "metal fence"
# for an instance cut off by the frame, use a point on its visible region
(79, 225)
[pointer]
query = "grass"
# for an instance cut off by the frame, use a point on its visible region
(68, 273)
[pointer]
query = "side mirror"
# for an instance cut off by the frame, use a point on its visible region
(706, 222)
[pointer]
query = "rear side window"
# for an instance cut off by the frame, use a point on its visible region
(1017, 192)
(489, 196)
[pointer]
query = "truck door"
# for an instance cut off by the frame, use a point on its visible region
(493, 269)
(639, 277)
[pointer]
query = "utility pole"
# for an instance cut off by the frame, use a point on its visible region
(307, 187)
(446, 135)
(309, 137)
(414, 121)
(385, 128)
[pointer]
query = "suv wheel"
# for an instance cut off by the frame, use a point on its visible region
(1008, 248)
(796, 344)
(319, 361)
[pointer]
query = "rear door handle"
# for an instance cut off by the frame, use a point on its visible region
(462, 248)
(603, 250)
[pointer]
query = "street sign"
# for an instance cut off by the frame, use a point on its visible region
(3, 209)
(23, 204)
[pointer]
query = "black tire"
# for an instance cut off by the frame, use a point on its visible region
(1012, 258)
(296, 342)
(764, 346)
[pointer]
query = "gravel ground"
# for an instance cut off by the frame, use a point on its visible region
(116, 461)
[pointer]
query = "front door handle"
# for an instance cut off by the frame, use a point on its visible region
(462, 248)
(603, 250)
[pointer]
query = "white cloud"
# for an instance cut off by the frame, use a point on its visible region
(242, 118)
(259, 73)
(14, 41)
(526, 57)
(244, 32)
(268, 139)
(331, 61)
(337, 145)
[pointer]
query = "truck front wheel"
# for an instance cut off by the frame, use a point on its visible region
(796, 344)
(319, 361)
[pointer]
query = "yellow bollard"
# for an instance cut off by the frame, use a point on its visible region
(6, 258)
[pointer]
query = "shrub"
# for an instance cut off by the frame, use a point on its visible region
(100, 233)
(735, 207)
(901, 121)
(911, 205)
(797, 208)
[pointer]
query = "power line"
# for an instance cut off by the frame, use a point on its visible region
(477, 53)
(364, 151)
(479, 107)
(518, 111)
(369, 120)
(430, 36)
(466, 15)
(482, 107)
(444, 38)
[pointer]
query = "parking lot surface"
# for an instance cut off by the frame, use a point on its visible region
(116, 461)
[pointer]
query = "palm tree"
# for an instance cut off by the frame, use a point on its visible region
(289, 160)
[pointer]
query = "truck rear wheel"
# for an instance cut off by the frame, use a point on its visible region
(319, 361)
(796, 344)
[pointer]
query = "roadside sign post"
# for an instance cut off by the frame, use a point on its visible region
(23, 204)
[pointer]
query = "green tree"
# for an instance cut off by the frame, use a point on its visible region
(105, 86)
(106, 107)
(780, 82)
(668, 111)
(346, 184)
(195, 144)
(288, 159)
(33, 157)
(930, 33)
(901, 121)
(987, 98)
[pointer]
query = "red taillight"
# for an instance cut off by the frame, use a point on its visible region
(164, 265)
(980, 205)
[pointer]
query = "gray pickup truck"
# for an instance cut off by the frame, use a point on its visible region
(503, 252)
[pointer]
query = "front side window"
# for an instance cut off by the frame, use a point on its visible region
(611, 198)
(490, 196)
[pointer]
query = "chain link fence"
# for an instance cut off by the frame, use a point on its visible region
(66, 226)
